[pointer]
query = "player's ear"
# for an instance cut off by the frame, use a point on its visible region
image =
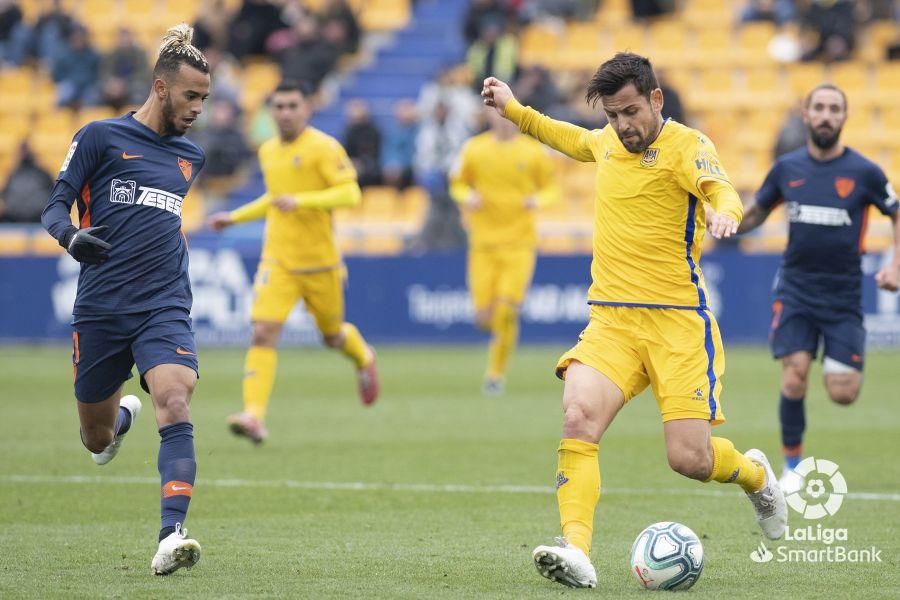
(656, 100)
(160, 88)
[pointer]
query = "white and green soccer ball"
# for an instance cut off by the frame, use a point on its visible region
(667, 556)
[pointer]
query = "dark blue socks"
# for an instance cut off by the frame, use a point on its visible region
(177, 469)
(793, 423)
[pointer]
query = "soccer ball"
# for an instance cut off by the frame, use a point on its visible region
(667, 556)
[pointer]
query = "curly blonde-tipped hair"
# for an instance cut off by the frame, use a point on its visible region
(176, 49)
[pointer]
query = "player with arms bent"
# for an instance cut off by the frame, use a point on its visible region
(500, 179)
(129, 176)
(828, 189)
(307, 174)
(650, 322)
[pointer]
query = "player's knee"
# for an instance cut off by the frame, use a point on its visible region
(843, 394)
(794, 383)
(173, 405)
(483, 319)
(266, 334)
(96, 439)
(695, 463)
(334, 340)
(577, 423)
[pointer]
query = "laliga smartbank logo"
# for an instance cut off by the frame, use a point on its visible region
(815, 490)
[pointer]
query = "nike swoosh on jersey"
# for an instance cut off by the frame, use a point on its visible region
(126, 156)
(796, 183)
(175, 488)
(183, 352)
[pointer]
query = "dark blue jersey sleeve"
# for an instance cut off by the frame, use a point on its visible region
(55, 218)
(769, 194)
(84, 156)
(881, 193)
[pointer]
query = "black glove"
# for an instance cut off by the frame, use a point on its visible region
(86, 247)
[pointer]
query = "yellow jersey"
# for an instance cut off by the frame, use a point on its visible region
(649, 222)
(504, 173)
(302, 239)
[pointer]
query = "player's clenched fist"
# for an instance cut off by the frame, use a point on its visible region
(86, 247)
(722, 226)
(888, 278)
(496, 93)
(219, 221)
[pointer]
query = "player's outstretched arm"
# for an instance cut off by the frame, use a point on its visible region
(251, 211)
(83, 245)
(754, 216)
(341, 195)
(888, 278)
(569, 139)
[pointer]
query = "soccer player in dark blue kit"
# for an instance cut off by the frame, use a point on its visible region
(129, 177)
(828, 189)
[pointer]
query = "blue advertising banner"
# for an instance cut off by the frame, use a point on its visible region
(410, 299)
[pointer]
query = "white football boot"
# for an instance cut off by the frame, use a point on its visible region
(768, 503)
(565, 564)
(175, 551)
(133, 405)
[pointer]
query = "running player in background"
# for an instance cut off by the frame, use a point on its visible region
(307, 175)
(828, 189)
(650, 322)
(500, 179)
(129, 176)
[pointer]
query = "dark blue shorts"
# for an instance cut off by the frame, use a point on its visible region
(105, 348)
(799, 327)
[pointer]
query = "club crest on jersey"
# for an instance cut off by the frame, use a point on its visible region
(844, 186)
(650, 156)
(122, 192)
(186, 168)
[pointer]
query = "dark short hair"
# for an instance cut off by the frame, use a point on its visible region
(176, 50)
(619, 71)
(825, 86)
(294, 85)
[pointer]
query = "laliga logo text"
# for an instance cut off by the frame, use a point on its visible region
(819, 492)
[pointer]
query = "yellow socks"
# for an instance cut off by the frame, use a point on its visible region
(259, 376)
(505, 329)
(577, 491)
(355, 347)
(730, 466)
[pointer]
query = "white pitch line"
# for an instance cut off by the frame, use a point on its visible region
(428, 488)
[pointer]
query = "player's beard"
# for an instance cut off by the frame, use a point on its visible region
(824, 140)
(169, 118)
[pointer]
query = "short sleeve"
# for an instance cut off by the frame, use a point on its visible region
(881, 193)
(769, 194)
(701, 164)
(335, 165)
(461, 172)
(84, 156)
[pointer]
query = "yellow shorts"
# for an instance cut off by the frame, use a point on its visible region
(677, 352)
(503, 274)
(276, 290)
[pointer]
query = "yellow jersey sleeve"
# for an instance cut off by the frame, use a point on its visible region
(335, 166)
(703, 175)
(571, 140)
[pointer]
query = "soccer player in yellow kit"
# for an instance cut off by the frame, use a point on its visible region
(499, 180)
(650, 321)
(307, 174)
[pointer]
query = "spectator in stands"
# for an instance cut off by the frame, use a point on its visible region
(535, 88)
(308, 58)
(775, 11)
(398, 155)
(340, 11)
(455, 94)
(437, 146)
(10, 25)
(495, 53)
(26, 191)
(47, 39)
(362, 141)
(581, 10)
(834, 29)
(479, 12)
(225, 71)
(646, 9)
(252, 25)
(76, 71)
(792, 134)
(223, 141)
(124, 72)
(211, 27)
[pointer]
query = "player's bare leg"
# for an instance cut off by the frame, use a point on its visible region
(694, 453)
(590, 403)
(259, 378)
(104, 424)
(842, 382)
(792, 415)
(171, 387)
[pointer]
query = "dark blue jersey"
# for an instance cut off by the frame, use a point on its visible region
(827, 205)
(126, 176)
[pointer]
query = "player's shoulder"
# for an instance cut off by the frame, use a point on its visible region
(859, 162)
(478, 141)
(684, 136)
(317, 137)
(188, 147)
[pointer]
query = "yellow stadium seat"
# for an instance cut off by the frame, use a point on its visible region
(627, 37)
(668, 38)
(803, 77)
(538, 45)
(853, 78)
(580, 47)
(753, 42)
(876, 39)
(766, 91)
(712, 47)
(383, 15)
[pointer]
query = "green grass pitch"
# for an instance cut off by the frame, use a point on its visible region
(434, 492)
